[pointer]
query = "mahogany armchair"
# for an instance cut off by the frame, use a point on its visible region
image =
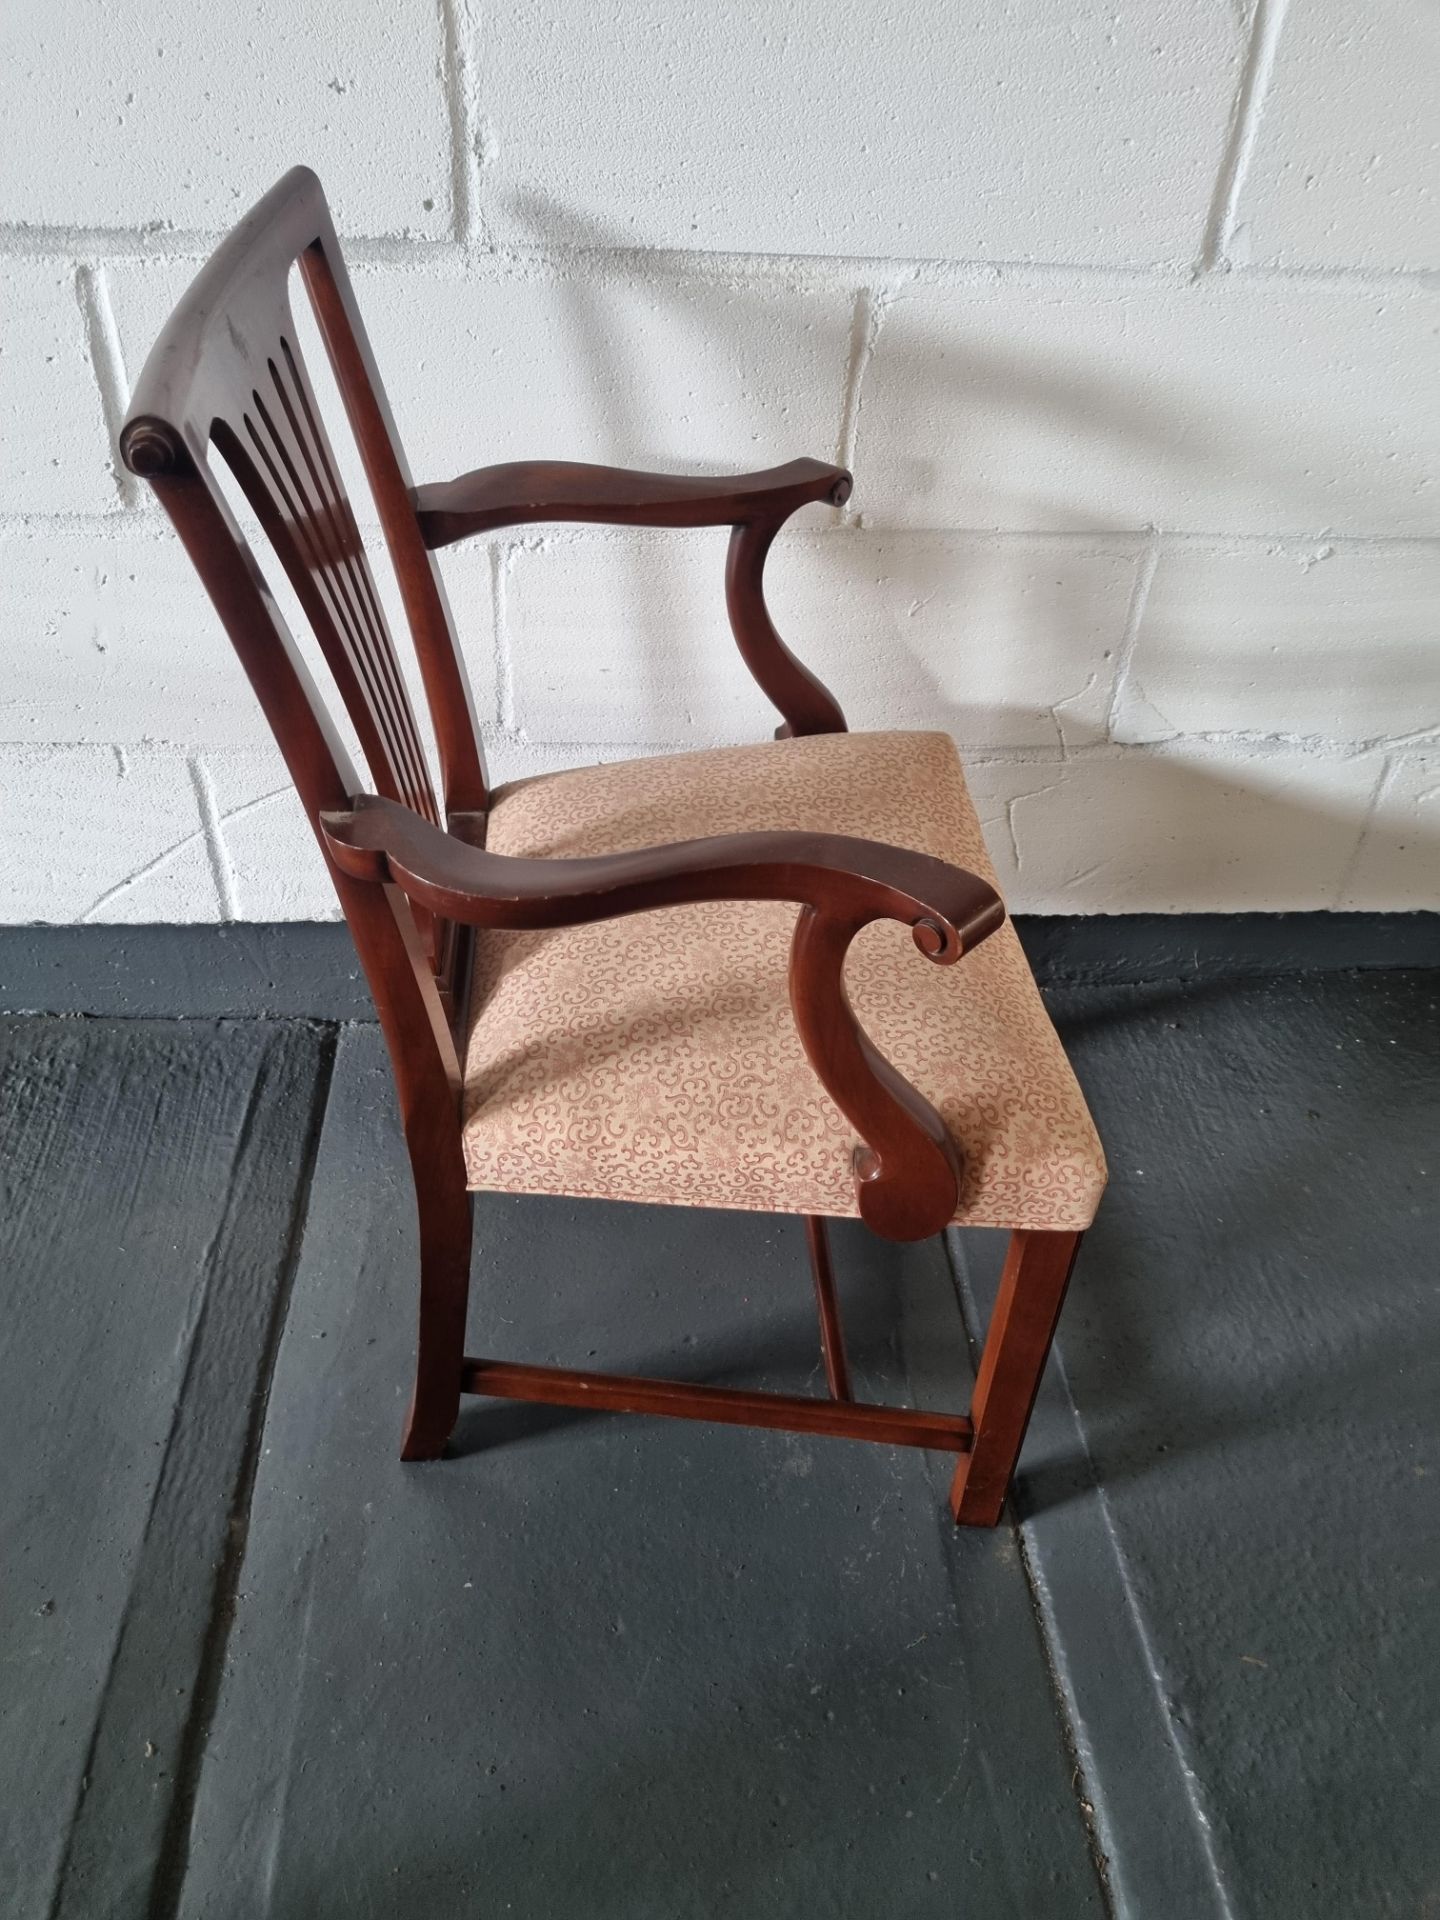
(638, 982)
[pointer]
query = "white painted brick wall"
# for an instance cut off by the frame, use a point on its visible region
(947, 131)
(1344, 171)
(1125, 315)
(58, 457)
(1005, 643)
(160, 117)
(1230, 404)
(1334, 641)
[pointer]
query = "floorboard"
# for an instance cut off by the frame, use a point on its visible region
(622, 1669)
(150, 1176)
(607, 1666)
(1230, 1491)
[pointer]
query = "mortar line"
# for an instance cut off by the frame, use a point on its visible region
(1240, 142)
(107, 366)
(501, 556)
(1248, 744)
(865, 324)
(455, 33)
(143, 521)
(1144, 578)
(1253, 744)
(1293, 545)
(1367, 821)
(835, 272)
(221, 872)
(163, 242)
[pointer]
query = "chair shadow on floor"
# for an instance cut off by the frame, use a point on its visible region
(894, 1301)
(1248, 1288)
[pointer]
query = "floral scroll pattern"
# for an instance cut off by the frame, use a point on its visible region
(654, 1058)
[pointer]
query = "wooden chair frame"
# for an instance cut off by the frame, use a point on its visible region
(412, 873)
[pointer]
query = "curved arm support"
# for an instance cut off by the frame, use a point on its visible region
(755, 505)
(807, 703)
(907, 1172)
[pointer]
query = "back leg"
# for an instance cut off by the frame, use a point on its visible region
(444, 1207)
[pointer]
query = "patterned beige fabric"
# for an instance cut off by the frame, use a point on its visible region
(654, 1058)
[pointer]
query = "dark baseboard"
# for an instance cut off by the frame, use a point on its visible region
(297, 969)
(1146, 948)
(308, 970)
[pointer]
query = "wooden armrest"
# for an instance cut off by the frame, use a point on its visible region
(523, 491)
(948, 910)
(907, 1173)
(754, 505)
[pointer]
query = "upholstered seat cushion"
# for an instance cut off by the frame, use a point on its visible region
(655, 1058)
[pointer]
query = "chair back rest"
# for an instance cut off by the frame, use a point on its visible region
(227, 375)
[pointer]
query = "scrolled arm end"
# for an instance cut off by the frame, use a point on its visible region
(907, 1168)
(944, 941)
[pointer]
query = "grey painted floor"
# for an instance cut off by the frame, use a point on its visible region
(251, 1666)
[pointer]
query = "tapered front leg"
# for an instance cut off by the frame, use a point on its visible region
(1027, 1307)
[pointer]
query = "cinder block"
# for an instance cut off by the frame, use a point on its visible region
(272, 867)
(101, 833)
(1342, 642)
(1184, 830)
(668, 371)
(598, 365)
(58, 456)
(1227, 406)
(1082, 133)
(615, 641)
(1003, 643)
(112, 637)
(465, 570)
(1346, 170)
(182, 116)
(1397, 867)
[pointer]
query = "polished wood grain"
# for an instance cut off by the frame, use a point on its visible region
(422, 590)
(731, 1406)
(948, 910)
(522, 492)
(198, 386)
(804, 703)
(832, 1334)
(754, 505)
(1037, 1272)
(226, 378)
(907, 1168)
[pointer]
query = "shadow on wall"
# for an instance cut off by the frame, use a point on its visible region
(1119, 425)
(1157, 832)
(1080, 823)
